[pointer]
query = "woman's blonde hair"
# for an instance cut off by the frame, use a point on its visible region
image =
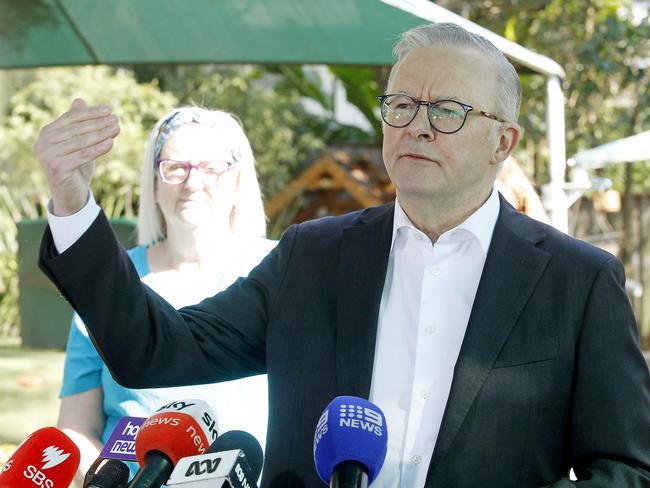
(519, 191)
(247, 217)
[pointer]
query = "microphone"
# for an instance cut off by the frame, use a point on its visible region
(179, 429)
(47, 458)
(112, 474)
(247, 443)
(119, 446)
(350, 443)
(234, 460)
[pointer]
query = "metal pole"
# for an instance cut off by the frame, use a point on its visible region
(554, 194)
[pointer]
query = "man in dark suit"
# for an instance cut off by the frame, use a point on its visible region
(502, 351)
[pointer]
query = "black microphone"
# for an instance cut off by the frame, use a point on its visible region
(234, 460)
(239, 439)
(113, 474)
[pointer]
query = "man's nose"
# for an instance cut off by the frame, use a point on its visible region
(420, 127)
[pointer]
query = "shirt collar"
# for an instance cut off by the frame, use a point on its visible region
(480, 224)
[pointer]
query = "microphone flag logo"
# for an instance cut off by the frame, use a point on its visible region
(121, 443)
(321, 428)
(53, 456)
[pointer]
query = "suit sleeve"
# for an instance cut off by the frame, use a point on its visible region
(611, 415)
(143, 340)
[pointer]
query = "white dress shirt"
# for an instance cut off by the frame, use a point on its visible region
(67, 230)
(425, 306)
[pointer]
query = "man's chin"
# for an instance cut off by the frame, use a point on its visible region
(413, 189)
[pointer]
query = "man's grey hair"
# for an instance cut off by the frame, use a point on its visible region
(509, 93)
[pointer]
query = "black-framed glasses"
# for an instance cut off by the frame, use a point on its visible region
(176, 172)
(446, 116)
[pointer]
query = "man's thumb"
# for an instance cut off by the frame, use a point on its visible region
(77, 103)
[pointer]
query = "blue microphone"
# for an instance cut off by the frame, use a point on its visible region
(350, 443)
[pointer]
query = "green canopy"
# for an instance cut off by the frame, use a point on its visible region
(73, 32)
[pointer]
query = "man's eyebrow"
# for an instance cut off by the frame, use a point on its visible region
(436, 99)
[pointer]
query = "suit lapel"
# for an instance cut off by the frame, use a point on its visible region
(512, 268)
(362, 271)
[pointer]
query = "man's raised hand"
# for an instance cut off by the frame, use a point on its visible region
(67, 149)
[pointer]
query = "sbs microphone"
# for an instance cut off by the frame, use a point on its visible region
(350, 443)
(112, 474)
(234, 460)
(46, 459)
(179, 429)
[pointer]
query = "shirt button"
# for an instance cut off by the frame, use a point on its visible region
(424, 393)
(430, 329)
(416, 459)
(435, 271)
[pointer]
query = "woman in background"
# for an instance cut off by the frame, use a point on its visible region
(201, 225)
(519, 191)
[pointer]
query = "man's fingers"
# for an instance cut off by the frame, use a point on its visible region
(106, 124)
(77, 103)
(77, 143)
(76, 159)
(73, 116)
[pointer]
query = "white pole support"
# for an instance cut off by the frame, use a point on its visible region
(554, 196)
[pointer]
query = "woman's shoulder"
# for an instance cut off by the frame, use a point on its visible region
(260, 246)
(247, 252)
(266, 244)
(253, 244)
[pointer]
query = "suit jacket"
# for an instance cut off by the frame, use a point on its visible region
(549, 376)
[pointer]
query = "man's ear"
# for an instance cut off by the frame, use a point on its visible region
(509, 135)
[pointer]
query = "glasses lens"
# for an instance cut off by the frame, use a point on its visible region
(446, 116)
(176, 172)
(212, 170)
(173, 172)
(398, 110)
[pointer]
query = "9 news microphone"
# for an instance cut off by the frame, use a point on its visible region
(234, 460)
(47, 458)
(350, 443)
(180, 429)
(112, 474)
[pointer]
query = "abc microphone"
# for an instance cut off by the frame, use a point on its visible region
(350, 443)
(112, 474)
(180, 429)
(234, 460)
(47, 458)
(251, 449)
